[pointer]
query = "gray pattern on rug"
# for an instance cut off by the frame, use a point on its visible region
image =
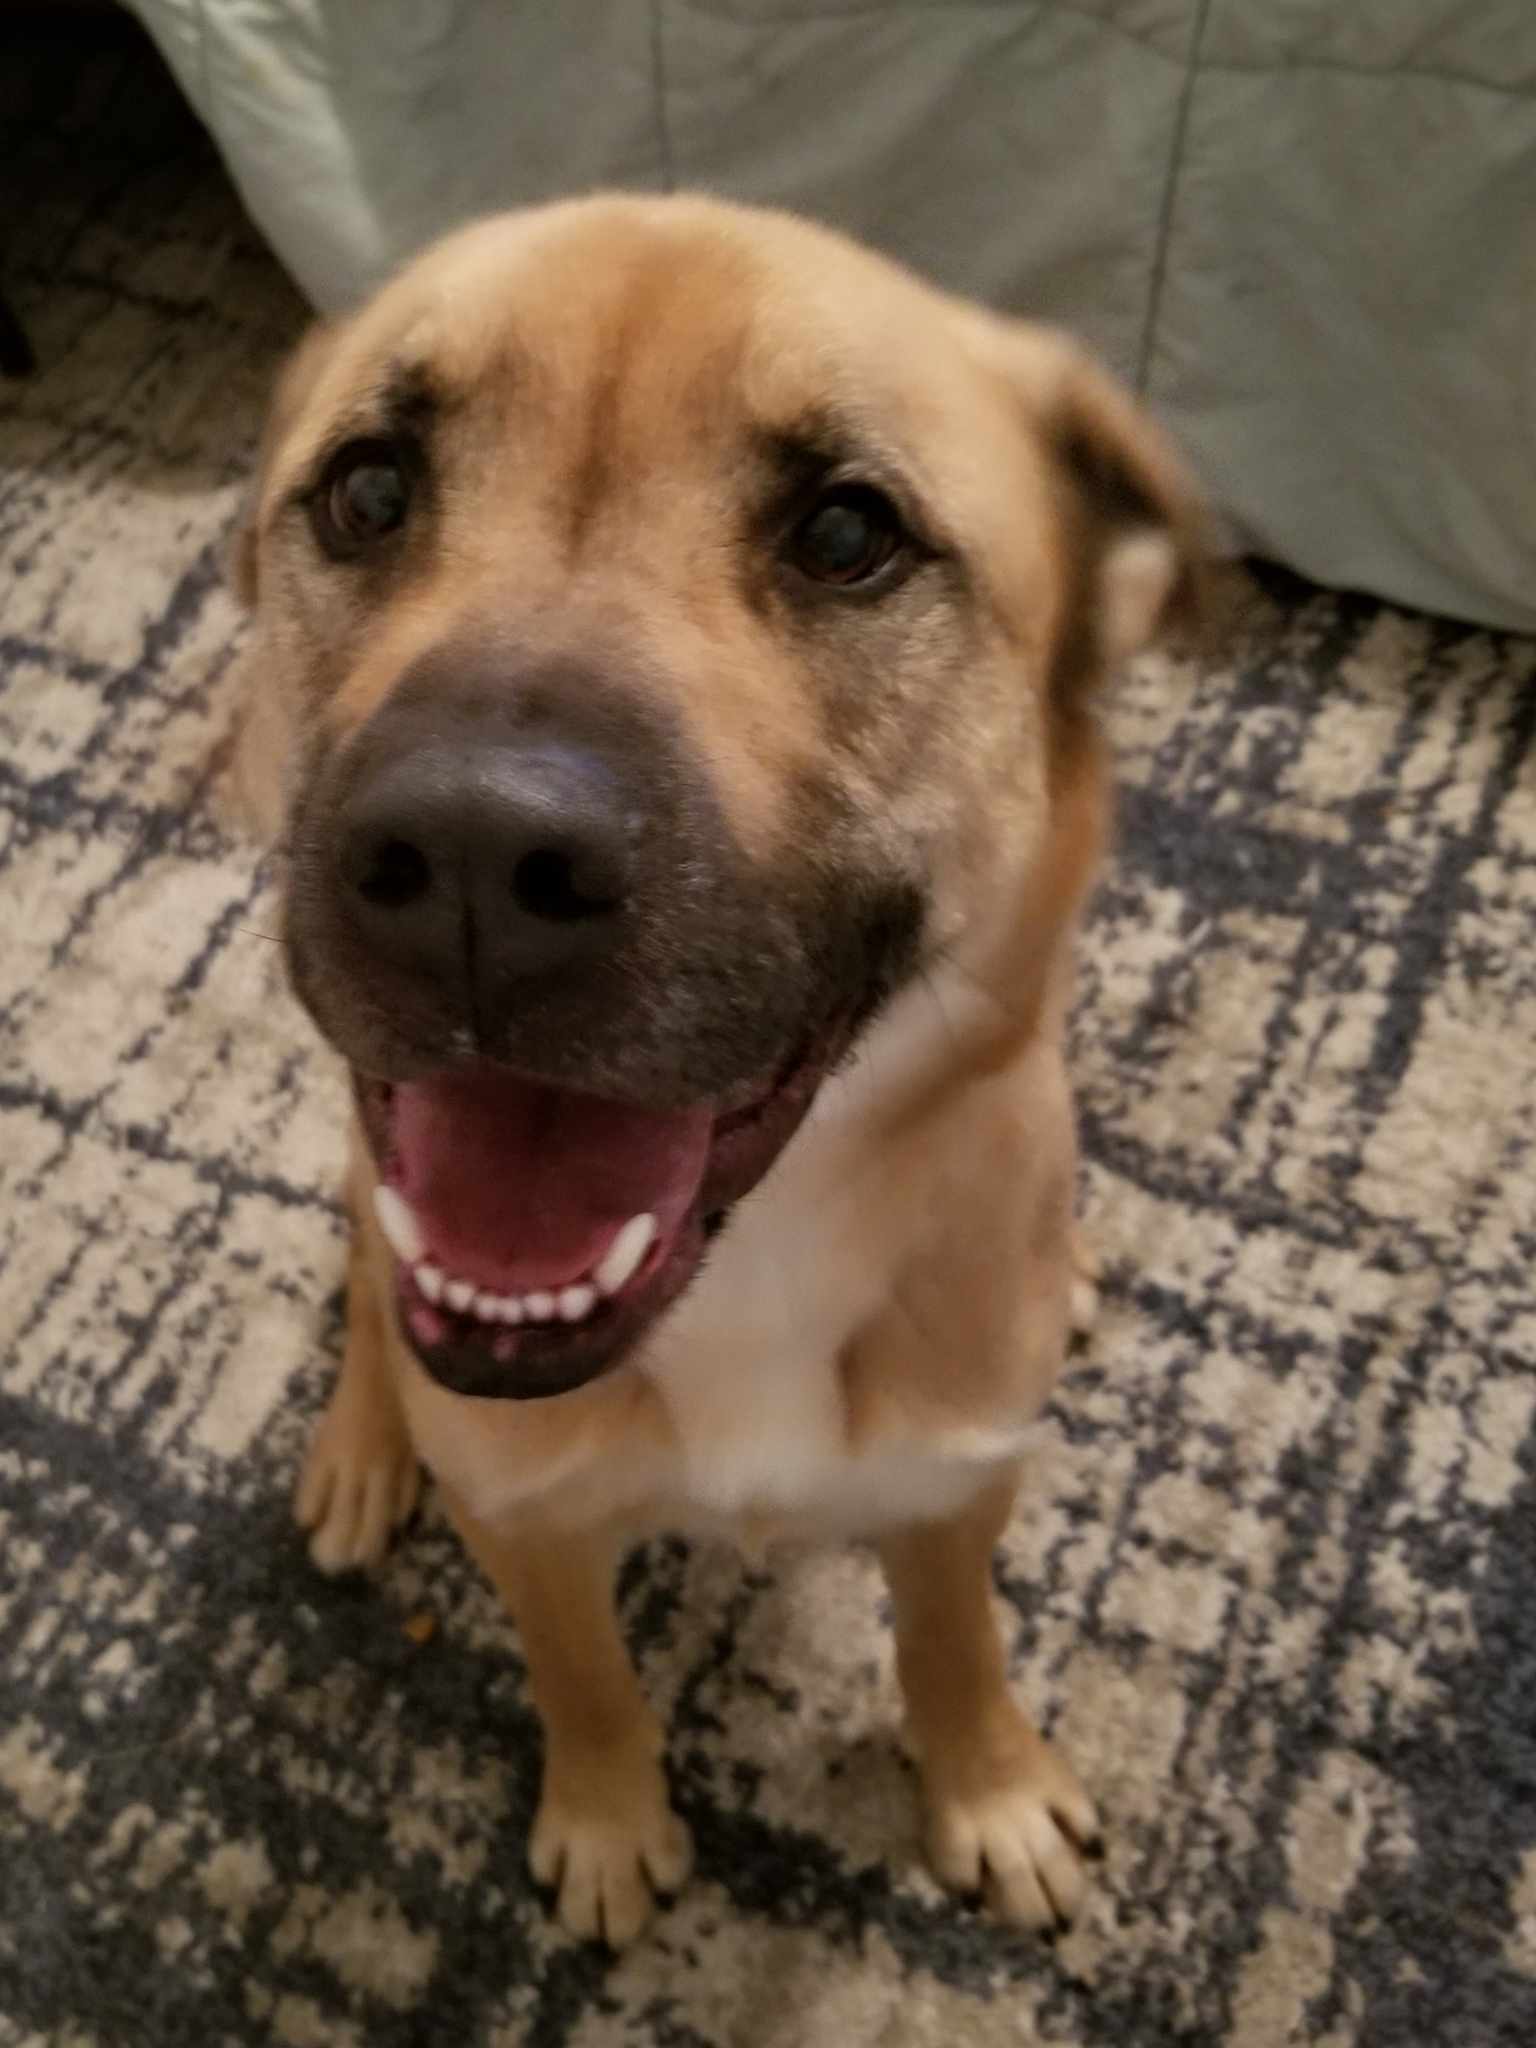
(1273, 1581)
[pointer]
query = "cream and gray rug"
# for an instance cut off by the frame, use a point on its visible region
(1275, 1580)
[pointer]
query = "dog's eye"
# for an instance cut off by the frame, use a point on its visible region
(851, 535)
(365, 494)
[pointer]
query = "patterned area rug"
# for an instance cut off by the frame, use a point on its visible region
(1274, 1581)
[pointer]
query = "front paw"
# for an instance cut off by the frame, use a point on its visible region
(360, 1482)
(1008, 1820)
(607, 1842)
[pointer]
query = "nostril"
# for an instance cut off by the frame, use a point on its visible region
(396, 874)
(562, 887)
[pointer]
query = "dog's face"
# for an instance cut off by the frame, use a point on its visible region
(672, 624)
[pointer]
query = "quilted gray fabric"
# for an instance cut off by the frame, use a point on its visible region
(1307, 230)
(1272, 1579)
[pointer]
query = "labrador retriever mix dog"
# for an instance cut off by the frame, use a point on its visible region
(675, 637)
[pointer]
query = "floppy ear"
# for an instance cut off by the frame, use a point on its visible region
(293, 380)
(1135, 529)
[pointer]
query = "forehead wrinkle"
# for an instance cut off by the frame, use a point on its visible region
(822, 442)
(661, 385)
(405, 376)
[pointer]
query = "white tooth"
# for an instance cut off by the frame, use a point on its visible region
(488, 1307)
(460, 1294)
(622, 1259)
(430, 1280)
(401, 1230)
(576, 1302)
(538, 1307)
(511, 1309)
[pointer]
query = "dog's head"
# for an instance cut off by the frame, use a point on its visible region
(673, 629)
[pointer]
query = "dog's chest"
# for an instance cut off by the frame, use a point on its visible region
(745, 1425)
(753, 1381)
(751, 1364)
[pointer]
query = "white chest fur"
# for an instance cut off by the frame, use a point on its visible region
(750, 1364)
(747, 1370)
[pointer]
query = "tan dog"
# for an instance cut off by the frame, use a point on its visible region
(675, 631)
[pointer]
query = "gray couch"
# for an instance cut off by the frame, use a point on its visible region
(1305, 228)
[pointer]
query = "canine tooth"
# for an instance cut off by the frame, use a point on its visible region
(576, 1302)
(460, 1294)
(539, 1306)
(429, 1279)
(401, 1231)
(488, 1307)
(622, 1259)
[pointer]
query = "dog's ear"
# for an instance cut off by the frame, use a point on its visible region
(1135, 528)
(1132, 530)
(293, 381)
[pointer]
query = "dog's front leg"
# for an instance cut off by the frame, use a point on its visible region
(360, 1479)
(606, 1838)
(1006, 1815)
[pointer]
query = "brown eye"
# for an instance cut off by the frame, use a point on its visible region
(364, 496)
(851, 535)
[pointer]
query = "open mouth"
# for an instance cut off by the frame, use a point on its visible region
(538, 1232)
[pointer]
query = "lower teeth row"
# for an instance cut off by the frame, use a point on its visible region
(568, 1305)
(572, 1304)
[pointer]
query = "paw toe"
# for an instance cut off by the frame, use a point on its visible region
(1085, 1306)
(351, 1504)
(608, 1877)
(669, 1857)
(1018, 1835)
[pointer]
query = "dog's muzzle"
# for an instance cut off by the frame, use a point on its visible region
(581, 1024)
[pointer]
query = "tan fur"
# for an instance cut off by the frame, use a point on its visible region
(887, 1315)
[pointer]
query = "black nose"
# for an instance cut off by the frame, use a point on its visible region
(486, 858)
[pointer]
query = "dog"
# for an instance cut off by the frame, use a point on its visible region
(675, 638)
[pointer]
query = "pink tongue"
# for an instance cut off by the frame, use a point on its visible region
(519, 1186)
